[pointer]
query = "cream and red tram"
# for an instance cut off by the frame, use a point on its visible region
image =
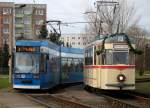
(114, 68)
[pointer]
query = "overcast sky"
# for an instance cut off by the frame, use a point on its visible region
(72, 11)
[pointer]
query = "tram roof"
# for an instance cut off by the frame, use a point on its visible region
(36, 43)
(112, 39)
(72, 50)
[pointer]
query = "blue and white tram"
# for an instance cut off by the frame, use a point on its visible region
(43, 65)
(36, 65)
(71, 65)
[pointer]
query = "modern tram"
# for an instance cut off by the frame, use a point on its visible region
(109, 63)
(71, 65)
(43, 65)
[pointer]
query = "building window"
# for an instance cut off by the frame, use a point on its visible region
(39, 22)
(18, 21)
(73, 37)
(27, 20)
(67, 38)
(6, 21)
(37, 32)
(18, 31)
(84, 38)
(5, 30)
(73, 43)
(28, 11)
(6, 41)
(39, 12)
(78, 43)
(6, 10)
(84, 43)
(27, 31)
(78, 37)
(19, 11)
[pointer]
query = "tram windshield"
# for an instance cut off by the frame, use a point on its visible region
(117, 57)
(25, 63)
(120, 58)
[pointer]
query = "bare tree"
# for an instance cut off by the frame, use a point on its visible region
(140, 35)
(111, 17)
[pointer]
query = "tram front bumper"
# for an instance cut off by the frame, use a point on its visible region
(121, 85)
(26, 86)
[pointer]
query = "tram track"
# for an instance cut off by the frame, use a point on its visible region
(127, 100)
(53, 101)
(66, 98)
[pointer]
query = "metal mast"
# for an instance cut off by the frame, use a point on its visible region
(105, 11)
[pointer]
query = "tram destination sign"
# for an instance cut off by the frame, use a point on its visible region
(125, 47)
(27, 49)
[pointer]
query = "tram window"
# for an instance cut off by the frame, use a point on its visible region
(42, 61)
(95, 55)
(64, 68)
(47, 57)
(80, 65)
(109, 56)
(131, 58)
(103, 58)
(89, 56)
(120, 58)
(86, 58)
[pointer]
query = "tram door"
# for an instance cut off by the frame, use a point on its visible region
(98, 60)
(45, 74)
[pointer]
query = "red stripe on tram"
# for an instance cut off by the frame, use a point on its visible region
(111, 67)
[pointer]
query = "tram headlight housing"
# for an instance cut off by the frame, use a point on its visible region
(17, 76)
(121, 78)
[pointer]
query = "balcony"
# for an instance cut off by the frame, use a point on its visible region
(19, 25)
(19, 15)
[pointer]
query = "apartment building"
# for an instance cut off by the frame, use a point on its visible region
(20, 21)
(77, 40)
(6, 24)
(28, 20)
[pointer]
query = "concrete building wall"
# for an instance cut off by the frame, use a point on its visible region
(76, 40)
(6, 24)
(28, 20)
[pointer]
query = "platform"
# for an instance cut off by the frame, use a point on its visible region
(16, 100)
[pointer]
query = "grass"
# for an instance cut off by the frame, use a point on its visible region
(143, 88)
(4, 81)
(146, 75)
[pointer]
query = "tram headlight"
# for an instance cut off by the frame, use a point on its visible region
(121, 78)
(17, 76)
(23, 76)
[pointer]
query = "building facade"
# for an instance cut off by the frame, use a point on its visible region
(76, 40)
(28, 20)
(20, 21)
(6, 24)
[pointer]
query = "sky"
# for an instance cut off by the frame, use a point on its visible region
(73, 11)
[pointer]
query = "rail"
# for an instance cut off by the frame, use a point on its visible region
(52, 101)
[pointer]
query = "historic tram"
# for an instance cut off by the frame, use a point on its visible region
(109, 63)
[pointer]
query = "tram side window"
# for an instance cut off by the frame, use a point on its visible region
(109, 56)
(64, 68)
(95, 60)
(131, 58)
(81, 65)
(86, 58)
(43, 64)
(89, 56)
